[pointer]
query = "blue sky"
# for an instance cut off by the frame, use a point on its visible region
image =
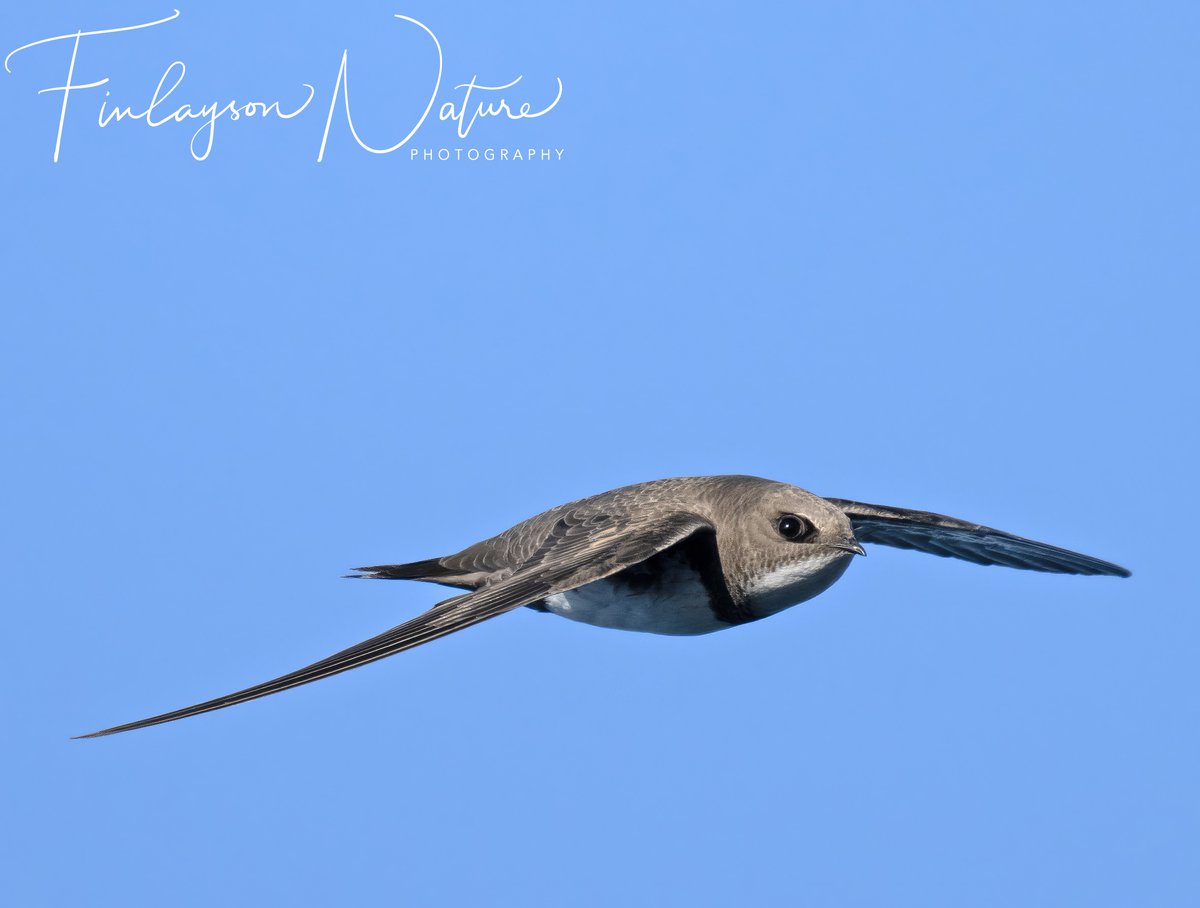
(935, 255)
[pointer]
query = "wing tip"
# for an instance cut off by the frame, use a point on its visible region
(128, 726)
(1088, 565)
(104, 732)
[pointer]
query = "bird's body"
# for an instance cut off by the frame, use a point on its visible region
(680, 556)
(703, 583)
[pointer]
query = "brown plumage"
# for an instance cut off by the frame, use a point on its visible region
(674, 556)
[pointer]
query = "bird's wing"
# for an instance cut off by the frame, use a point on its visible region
(953, 538)
(579, 548)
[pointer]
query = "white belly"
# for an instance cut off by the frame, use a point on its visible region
(677, 603)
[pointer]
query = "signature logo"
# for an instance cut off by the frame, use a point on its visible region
(471, 102)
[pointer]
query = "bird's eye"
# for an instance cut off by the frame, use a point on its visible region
(792, 527)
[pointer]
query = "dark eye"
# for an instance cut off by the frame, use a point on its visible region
(792, 527)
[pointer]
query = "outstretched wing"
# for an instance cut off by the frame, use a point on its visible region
(953, 538)
(580, 548)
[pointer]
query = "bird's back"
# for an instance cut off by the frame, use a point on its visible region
(497, 556)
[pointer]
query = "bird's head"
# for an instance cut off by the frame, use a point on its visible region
(785, 545)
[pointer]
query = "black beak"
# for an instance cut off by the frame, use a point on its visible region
(852, 547)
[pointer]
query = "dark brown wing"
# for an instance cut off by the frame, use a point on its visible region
(579, 549)
(953, 538)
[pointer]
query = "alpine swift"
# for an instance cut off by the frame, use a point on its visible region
(682, 556)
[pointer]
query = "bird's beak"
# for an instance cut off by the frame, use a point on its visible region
(852, 547)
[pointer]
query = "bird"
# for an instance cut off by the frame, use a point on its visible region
(682, 556)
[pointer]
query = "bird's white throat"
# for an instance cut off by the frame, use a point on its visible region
(793, 583)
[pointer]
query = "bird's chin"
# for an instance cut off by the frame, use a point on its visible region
(794, 583)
